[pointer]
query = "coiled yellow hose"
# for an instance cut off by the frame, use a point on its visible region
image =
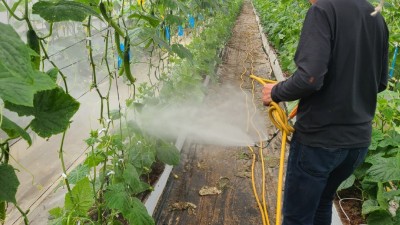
(278, 117)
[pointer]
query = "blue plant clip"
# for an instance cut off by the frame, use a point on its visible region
(122, 48)
(391, 71)
(191, 21)
(167, 33)
(180, 31)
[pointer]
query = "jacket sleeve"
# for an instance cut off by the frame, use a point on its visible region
(312, 58)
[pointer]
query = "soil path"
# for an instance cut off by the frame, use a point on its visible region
(226, 168)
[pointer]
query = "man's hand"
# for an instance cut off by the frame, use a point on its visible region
(266, 98)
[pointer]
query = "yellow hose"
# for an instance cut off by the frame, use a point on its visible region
(280, 120)
(278, 117)
(261, 206)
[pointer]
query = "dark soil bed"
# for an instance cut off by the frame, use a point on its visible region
(348, 203)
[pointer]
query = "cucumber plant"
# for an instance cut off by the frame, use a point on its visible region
(107, 188)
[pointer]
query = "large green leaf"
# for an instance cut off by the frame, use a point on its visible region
(142, 157)
(384, 169)
(63, 10)
(14, 131)
(132, 209)
(18, 80)
(391, 140)
(137, 214)
(116, 197)
(82, 198)
(8, 182)
(132, 178)
(52, 110)
(168, 153)
(380, 218)
(370, 206)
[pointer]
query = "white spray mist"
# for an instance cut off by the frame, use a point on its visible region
(221, 120)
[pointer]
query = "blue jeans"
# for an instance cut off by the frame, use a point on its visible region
(312, 178)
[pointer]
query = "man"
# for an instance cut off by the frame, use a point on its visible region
(342, 63)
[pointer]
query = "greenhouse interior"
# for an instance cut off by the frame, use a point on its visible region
(200, 112)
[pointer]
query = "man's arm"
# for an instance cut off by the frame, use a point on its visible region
(312, 59)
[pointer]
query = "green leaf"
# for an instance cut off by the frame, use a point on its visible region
(152, 20)
(18, 80)
(56, 212)
(168, 153)
(116, 197)
(132, 178)
(42, 82)
(133, 210)
(391, 194)
(377, 136)
(391, 140)
(9, 183)
(370, 206)
(385, 169)
(53, 74)
(347, 183)
(94, 159)
(182, 52)
(63, 10)
(380, 218)
(137, 214)
(82, 196)
(52, 110)
(14, 131)
(141, 157)
(79, 173)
